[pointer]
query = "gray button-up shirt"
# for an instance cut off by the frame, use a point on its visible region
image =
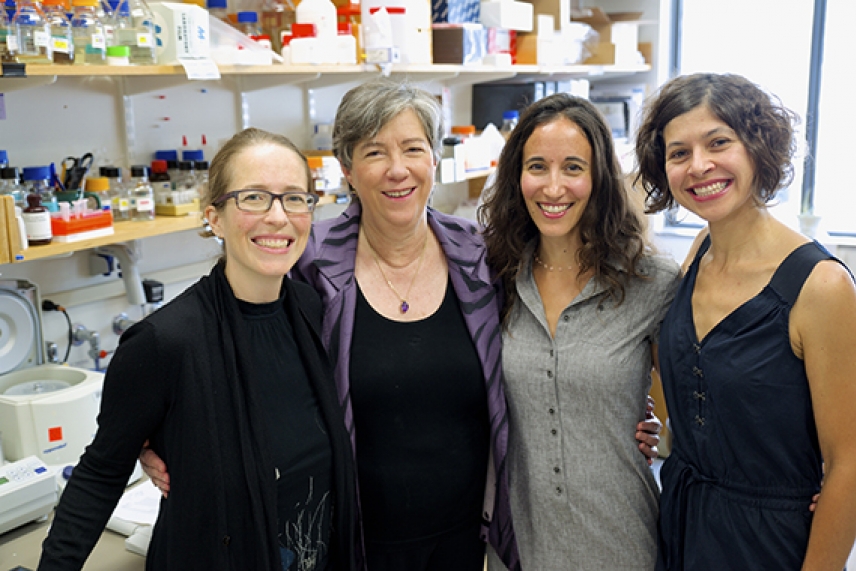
(582, 495)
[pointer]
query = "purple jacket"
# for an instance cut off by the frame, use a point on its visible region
(328, 265)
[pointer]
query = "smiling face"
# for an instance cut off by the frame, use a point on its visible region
(262, 248)
(557, 178)
(393, 173)
(710, 173)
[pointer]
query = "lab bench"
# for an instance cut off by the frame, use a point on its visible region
(23, 546)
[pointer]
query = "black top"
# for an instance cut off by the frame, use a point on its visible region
(421, 420)
(185, 379)
(299, 445)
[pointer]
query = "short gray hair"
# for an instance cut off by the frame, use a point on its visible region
(368, 108)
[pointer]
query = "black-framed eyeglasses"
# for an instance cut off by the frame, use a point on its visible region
(259, 201)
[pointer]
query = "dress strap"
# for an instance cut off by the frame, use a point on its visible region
(794, 271)
(702, 250)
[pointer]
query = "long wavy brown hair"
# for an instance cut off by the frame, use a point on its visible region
(611, 229)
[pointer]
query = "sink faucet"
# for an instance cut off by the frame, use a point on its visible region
(81, 335)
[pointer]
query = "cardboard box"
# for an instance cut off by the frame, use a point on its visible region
(181, 32)
(455, 12)
(618, 37)
(459, 43)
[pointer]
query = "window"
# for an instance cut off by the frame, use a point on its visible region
(835, 185)
(769, 42)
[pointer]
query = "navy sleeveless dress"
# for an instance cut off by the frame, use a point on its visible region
(745, 458)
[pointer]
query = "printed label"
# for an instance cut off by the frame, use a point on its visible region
(145, 40)
(42, 39)
(98, 42)
(12, 43)
(145, 205)
(61, 45)
(38, 225)
(124, 205)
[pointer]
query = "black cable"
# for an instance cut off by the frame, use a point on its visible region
(48, 305)
(70, 335)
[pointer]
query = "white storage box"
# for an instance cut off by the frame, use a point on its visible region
(181, 32)
(507, 14)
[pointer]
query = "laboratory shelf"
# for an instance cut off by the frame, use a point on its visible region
(122, 232)
(427, 72)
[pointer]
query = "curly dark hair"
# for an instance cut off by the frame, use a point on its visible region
(761, 122)
(611, 229)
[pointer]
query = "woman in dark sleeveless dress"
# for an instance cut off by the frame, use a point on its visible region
(756, 352)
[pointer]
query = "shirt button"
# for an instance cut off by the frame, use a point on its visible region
(556, 470)
(549, 374)
(559, 491)
(226, 540)
(554, 432)
(698, 372)
(551, 352)
(699, 420)
(551, 410)
(567, 318)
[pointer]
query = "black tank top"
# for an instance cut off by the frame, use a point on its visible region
(421, 422)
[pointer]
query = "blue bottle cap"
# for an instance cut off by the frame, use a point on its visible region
(36, 173)
(166, 155)
(192, 155)
(510, 115)
(247, 17)
(217, 4)
(4, 157)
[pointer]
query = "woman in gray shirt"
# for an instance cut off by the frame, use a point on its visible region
(584, 298)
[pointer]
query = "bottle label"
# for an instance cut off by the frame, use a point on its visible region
(145, 40)
(109, 34)
(41, 38)
(124, 204)
(61, 45)
(162, 186)
(12, 43)
(98, 42)
(38, 225)
(145, 204)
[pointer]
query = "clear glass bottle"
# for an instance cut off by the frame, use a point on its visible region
(219, 9)
(120, 201)
(185, 184)
(201, 168)
(37, 180)
(32, 32)
(509, 122)
(62, 39)
(142, 194)
(8, 37)
(10, 184)
(134, 26)
(90, 43)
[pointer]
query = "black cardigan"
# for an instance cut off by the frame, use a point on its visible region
(168, 376)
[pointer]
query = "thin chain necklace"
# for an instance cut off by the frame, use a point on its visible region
(404, 305)
(552, 268)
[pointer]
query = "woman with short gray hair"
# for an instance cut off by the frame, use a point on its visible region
(412, 327)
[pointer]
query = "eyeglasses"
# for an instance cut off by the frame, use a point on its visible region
(259, 201)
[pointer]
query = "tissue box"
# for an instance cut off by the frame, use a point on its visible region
(181, 32)
(455, 11)
(459, 43)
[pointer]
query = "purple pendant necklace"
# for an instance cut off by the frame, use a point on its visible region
(404, 305)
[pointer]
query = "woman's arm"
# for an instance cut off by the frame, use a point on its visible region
(100, 478)
(824, 323)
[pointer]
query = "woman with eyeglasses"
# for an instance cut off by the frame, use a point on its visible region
(231, 384)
